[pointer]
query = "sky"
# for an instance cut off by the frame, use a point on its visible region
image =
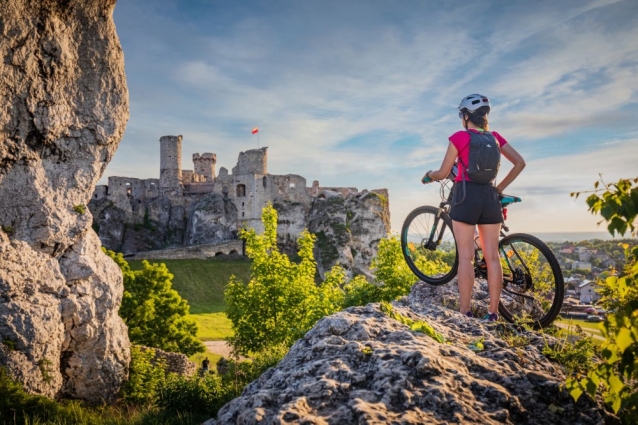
(365, 93)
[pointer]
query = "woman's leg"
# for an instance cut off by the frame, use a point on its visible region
(464, 236)
(489, 236)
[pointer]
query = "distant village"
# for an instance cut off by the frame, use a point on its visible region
(583, 262)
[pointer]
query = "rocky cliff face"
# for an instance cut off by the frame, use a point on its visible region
(348, 228)
(362, 366)
(65, 105)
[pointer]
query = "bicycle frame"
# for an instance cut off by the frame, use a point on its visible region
(435, 240)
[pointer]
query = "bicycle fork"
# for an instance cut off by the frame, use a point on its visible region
(431, 243)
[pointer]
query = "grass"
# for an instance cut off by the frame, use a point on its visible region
(202, 283)
(212, 326)
(589, 327)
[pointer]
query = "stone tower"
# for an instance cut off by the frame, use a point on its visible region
(205, 165)
(170, 164)
(254, 161)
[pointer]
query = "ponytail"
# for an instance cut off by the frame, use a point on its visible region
(479, 117)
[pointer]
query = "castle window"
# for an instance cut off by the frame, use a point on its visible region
(128, 189)
(242, 213)
(265, 180)
(241, 190)
(242, 204)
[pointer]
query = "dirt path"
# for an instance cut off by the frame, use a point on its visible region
(218, 347)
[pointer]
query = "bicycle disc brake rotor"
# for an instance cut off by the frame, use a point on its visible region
(522, 280)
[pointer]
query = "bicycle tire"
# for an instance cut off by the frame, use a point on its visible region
(530, 268)
(438, 264)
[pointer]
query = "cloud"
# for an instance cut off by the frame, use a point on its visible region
(364, 93)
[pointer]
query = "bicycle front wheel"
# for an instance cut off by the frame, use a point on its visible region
(533, 287)
(428, 245)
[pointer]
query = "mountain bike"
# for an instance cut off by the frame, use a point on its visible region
(533, 287)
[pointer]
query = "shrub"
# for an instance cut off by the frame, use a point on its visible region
(146, 376)
(80, 208)
(617, 375)
(281, 301)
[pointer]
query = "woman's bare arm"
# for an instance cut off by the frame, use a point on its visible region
(519, 163)
(446, 166)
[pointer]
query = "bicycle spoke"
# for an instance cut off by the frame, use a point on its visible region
(533, 284)
(428, 245)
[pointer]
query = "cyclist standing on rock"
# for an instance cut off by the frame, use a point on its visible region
(476, 198)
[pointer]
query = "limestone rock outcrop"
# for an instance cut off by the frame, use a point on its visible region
(213, 219)
(65, 106)
(349, 229)
(361, 366)
(348, 226)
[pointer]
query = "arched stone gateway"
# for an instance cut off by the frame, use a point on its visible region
(204, 251)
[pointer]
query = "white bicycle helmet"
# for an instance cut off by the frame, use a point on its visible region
(474, 101)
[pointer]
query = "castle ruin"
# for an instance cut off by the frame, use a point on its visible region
(250, 187)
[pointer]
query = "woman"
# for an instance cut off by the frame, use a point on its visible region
(476, 204)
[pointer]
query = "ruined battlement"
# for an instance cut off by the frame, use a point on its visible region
(249, 187)
(205, 166)
(254, 161)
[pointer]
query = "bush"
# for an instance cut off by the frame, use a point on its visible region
(146, 376)
(617, 375)
(281, 301)
(156, 315)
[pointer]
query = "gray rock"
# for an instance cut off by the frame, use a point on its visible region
(361, 366)
(65, 105)
(213, 219)
(349, 229)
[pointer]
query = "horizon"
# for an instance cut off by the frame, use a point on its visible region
(364, 94)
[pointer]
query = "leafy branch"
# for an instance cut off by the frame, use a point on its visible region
(618, 204)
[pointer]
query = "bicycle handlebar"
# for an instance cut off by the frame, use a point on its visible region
(505, 199)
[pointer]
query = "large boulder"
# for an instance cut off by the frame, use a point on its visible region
(65, 106)
(363, 366)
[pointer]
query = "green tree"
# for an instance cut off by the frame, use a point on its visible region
(281, 301)
(617, 374)
(154, 312)
(392, 277)
(390, 270)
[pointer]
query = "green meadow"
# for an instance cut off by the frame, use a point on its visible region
(202, 283)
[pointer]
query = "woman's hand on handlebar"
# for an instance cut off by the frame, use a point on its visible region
(426, 178)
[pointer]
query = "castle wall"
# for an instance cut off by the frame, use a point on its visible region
(151, 187)
(187, 177)
(289, 187)
(100, 192)
(170, 164)
(254, 161)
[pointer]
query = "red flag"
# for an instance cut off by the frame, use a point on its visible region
(255, 130)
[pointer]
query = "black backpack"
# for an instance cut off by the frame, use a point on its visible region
(484, 158)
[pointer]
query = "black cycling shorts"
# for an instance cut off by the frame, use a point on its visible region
(481, 205)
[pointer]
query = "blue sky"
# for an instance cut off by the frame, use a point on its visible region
(364, 93)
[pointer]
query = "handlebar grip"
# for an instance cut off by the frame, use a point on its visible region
(426, 180)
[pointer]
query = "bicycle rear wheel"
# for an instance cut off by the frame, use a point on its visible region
(533, 287)
(428, 245)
